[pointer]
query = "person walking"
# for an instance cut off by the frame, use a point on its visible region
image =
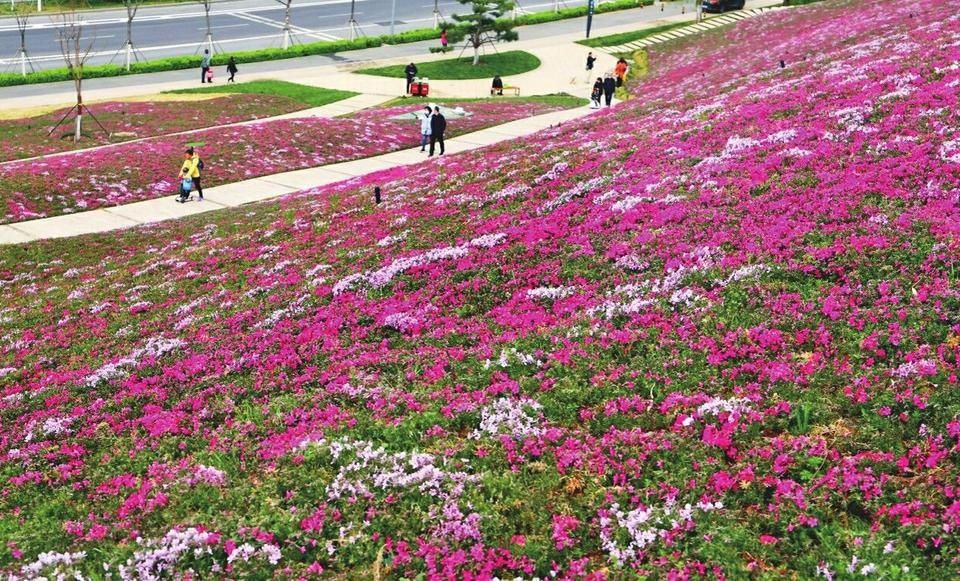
(443, 39)
(590, 60)
(197, 170)
(204, 65)
(609, 86)
(425, 129)
(438, 124)
(411, 72)
(621, 71)
(232, 69)
(596, 94)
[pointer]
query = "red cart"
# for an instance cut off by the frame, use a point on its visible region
(420, 87)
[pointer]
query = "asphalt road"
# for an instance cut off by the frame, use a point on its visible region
(234, 25)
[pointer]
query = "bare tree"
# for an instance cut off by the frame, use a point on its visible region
(22, 15)
(132, 6)
(286, 22)
(75, 51)
(208, 41)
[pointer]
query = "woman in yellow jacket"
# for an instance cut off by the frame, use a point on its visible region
(191, 170)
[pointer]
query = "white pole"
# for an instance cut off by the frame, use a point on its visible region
(286, 39)
(393, 15)
(128, 56)
(39, 5)
(23, 63)
(556, 5)
(436, 14)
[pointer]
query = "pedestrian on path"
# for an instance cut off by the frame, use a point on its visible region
(621, 71)
(438, 124)
(204, 65)
(609, 86)
(596, 94)
(411, 72)
(443, 39)
(590, 60)
(185, 177)
(231, 69)
(197, 170)
(425, 129)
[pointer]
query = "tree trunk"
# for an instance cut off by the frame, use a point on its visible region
(476, 55)
(77, 127)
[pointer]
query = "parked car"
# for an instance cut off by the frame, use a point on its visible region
(722, 5)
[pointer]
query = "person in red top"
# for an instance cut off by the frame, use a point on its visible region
(621, 71)
(443, 39)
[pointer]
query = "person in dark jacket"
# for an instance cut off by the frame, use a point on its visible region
(204, 65)
(497, 87)
(438, 124)
(411, 72)
(232, 69)
(609, 86)
(597, 94)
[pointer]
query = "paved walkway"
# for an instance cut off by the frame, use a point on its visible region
(263, 188)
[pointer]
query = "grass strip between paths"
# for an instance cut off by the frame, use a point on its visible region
(311, 96)
(512, 62)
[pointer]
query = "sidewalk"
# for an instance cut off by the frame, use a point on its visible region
(264, 188)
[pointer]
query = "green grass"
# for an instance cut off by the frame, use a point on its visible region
(561, 99)
(311, 96)
(625, 37)
(503, 64)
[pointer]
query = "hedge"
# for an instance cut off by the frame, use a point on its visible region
(314, 48)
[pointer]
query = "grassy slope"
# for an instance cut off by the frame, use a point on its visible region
(503, 64)
(311, 96)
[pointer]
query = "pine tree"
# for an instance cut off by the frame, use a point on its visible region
(485, 24)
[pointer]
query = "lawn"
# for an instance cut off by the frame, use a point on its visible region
(625, 37)
(305, 94)
(504, 64)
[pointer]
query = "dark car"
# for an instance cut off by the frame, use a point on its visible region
(722, 5)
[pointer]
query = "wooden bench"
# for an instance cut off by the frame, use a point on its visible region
(516, 91)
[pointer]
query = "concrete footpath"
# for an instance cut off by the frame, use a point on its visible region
(263, 188)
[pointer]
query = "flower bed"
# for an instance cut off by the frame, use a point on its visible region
(148, 169)
(20, 138)
(705, 334)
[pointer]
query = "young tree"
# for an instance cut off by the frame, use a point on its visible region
(208, 40)
(286, 22)
(132, 6)
(75, 52)
(484, 25)
(22, 14)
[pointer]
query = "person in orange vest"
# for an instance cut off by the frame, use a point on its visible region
(621, 71)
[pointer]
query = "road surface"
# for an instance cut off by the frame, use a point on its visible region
(161, 31)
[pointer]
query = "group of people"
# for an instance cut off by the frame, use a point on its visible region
(605, 86)
(432, 127)
(206, 71)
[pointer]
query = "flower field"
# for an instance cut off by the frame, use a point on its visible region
(148, 169)
(28, 137)
(713, 332)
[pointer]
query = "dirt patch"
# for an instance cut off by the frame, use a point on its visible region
(27, 112)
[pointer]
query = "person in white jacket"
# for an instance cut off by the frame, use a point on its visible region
(424, 129)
